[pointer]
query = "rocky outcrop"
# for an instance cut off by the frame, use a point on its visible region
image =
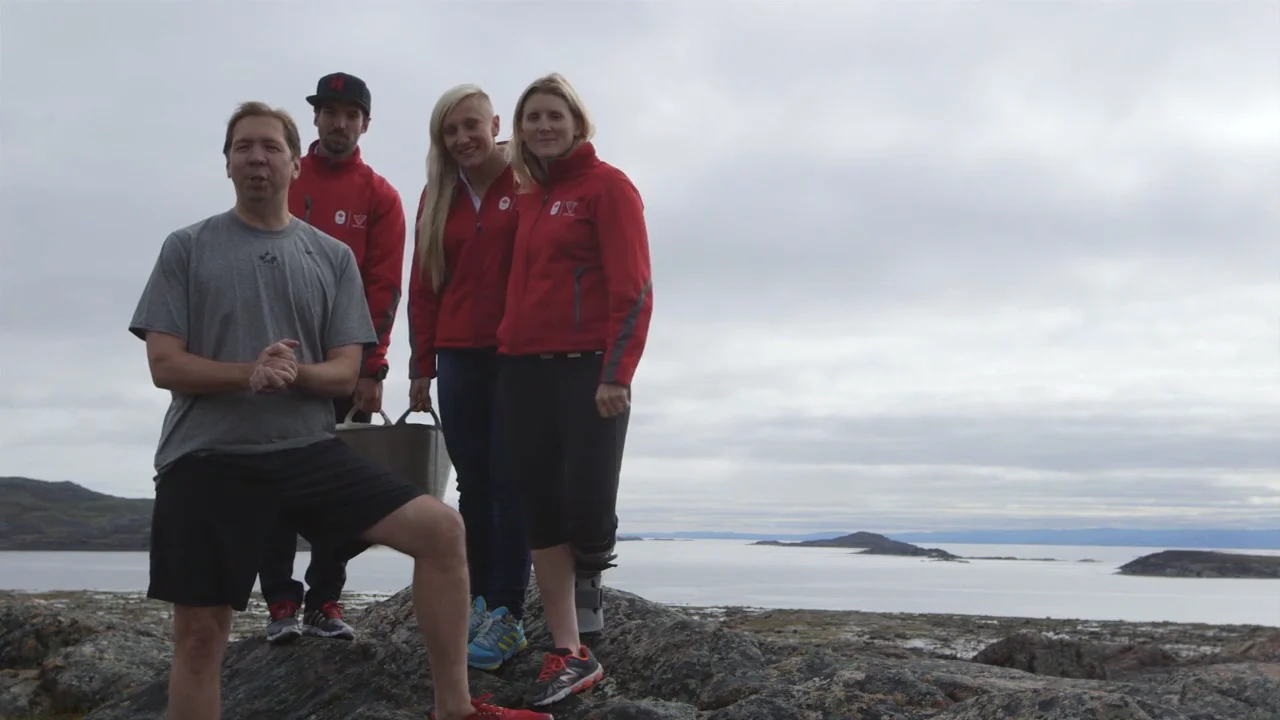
(1262, 649)
(1203, 564)
(54, 663)
(663, 664)
(1072, 658)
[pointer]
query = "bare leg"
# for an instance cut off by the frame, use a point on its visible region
(432, 534)
(195, 679)
(554, 568)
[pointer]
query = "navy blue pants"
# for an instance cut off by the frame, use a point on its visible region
(497, 540)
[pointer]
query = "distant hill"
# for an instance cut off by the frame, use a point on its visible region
(1203, 564)
(39, 515)
(1198, 538)
(42, 515)
(869, 543)
(725, 535)
(1206, 538)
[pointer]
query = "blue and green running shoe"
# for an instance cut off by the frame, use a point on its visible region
(499, 638)
(479, 613)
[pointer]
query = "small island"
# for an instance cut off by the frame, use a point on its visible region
(868, 544)
(1204, 564)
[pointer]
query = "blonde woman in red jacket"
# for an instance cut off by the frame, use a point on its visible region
(465, 230)
(577, 315)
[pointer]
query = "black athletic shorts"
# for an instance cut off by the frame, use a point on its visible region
(213, 514)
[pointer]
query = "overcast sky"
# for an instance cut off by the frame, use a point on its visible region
(916, 265)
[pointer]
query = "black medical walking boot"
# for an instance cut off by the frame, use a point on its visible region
(589, 593)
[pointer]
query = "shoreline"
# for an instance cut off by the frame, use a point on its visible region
(947, 636)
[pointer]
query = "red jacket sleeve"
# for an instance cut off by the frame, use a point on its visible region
(383, 271)
(624, 253)
(424, 309)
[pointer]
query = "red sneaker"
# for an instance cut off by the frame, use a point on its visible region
(564, 673)
(484, 711)
(283, 625)
(327, 622)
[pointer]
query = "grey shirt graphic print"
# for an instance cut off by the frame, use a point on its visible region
(229, 290)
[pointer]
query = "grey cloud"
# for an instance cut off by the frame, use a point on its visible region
(1084, 59)
(1070, 443)
(923, 180)
(785, 497)
(83, 258)
(900, 222)
(930, 213)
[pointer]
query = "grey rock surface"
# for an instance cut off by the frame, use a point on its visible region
(1071, 658)
(55, 663)
(662, 664)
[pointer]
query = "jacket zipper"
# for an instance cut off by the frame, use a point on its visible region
(546, 195)
(577, 296)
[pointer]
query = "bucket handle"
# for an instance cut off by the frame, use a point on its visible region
(386, 420)
(405, 416)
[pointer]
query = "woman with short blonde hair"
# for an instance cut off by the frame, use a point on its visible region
(577, 316)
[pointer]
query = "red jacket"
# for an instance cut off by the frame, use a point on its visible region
(356, 205)
(580, 279)
(477, 259)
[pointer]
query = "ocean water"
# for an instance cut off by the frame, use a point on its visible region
(734, 572)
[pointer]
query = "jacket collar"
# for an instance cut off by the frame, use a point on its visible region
(575, 163)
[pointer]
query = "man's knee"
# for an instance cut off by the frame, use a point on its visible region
(442, 527)
(200, 636)
(423, 528)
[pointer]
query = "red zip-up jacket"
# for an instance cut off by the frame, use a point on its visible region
(477, 258)
(580, 277)
(356, 205)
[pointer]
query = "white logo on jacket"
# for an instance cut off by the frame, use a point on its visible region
(340, 217)
(569, 207)
(358, 220)
(504, 203)
(555, 208)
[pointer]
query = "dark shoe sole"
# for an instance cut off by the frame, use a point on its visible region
(284, 637)
(340, 635)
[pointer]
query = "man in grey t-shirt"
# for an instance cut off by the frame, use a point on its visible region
(255, 322)
(222, 285)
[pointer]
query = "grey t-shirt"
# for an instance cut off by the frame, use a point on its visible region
(230, 290)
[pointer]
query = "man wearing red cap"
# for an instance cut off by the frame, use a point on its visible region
(340, 195)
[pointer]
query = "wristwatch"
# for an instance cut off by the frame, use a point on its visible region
(379, 374)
